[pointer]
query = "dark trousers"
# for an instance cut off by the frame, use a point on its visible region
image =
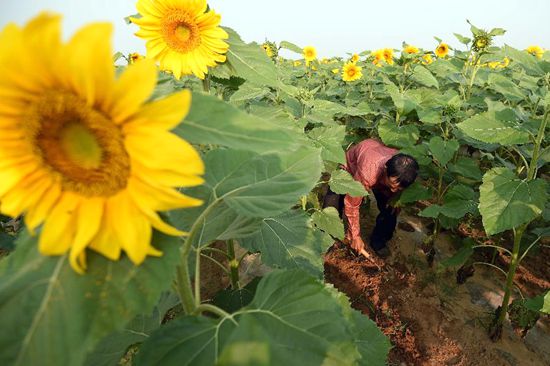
(385, 221)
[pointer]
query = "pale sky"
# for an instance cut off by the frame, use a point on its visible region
(333, 27)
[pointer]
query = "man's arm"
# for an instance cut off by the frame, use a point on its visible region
(353, 235)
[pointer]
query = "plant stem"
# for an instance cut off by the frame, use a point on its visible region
(198, 277)
(233, 265)
(212, 309)
(183, 278)
(206, 84)
(540, 136)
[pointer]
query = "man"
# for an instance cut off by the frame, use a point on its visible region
(386, 173)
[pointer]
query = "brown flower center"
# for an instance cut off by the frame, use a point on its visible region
(180, 31)
(83, 148)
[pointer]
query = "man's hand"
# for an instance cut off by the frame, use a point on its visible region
(358, 245)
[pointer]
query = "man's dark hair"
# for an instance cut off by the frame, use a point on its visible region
(404, 167)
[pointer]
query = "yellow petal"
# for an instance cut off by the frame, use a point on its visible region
(10, 176)
(163, 150)
(26, 193)
(132, 89)
(158, 198)
(88, 222)
(105, 242)
(132, 229)
(88, 56)
(38, 212)
(58, 230)
(148, 7)
(165, 113)
(170, 178)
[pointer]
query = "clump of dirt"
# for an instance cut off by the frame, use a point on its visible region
(429, 318)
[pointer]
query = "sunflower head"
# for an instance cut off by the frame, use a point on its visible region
(310, 53)
(351, 72)
(270, 49)
(184, 36)
(297, 63)
(388, 55)
(354, 58)
(535, 51)
(83, 153)
(411, 50)
(427, 59)
(134, 57)
(482, 40)
(442, 50)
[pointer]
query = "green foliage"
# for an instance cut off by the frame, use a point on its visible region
(495, 127)
(342, 182)
(290, 311)
(506, 201)
(49, 313)
(329, 221)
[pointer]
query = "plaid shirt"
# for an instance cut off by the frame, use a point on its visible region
(366, 163)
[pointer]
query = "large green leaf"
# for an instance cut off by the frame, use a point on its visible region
(443, 150)
(499, 127)
(423, 76)
(342, 182)
(293, 320)
(329, 221)
(506, 201)
(291, 47)
(213, 121)
(110, 349)
(250, 61)
(539, 303)
(50, 315)
(330, 140)
(247, 92)
(398, 136)
(466, 167)
(524, 60)
(289, 241)
(413, 193)
(243, 187)
(505, 86)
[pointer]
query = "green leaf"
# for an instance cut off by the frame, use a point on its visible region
(505, 86)
(524, 60)
(497, 32)
(213, 121)
(342, 182)
(424, 77)
(329, 221)
(398, 136)
(291, 47)
(289, 241)
(403, 103)
(443, 150)
(415, 192)
(466, 167)
(429, 116)
(461, 256)
(250, 61)
(247, 92)
(507, 202)
(330, 140)
(232, 300)
(539, 303)
(293, 320)
(432, 211)
(243, 187)
(464, 40)
(110, 350)
(49, 313)
(7, 241)
(495, 127)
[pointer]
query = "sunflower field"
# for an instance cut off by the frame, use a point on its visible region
(121, 176)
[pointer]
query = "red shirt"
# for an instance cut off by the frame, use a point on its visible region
(366, 162)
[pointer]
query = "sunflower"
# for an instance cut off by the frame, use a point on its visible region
(81, 151)
(297, 63)
(378, 57)
(310, 53)
(535, 51)
(427, 59)
(411, 50)
(134, 57)
(442, 50)
(351, 72)
(182, 35)
(355, 58)
(267, 50)
(335, 71)
(388, 55)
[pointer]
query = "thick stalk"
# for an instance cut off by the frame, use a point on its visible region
(472, 77)
(198, 277)
(183, 278)
(540, 136)
(206, 84)
(496, 332)
(233, 265)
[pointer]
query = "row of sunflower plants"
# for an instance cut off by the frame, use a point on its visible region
(475, 122)
(124, 178)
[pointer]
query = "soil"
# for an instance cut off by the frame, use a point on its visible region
(429, 318)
